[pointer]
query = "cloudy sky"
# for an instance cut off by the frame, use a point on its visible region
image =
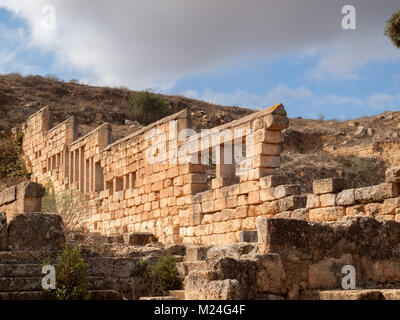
(250, 53)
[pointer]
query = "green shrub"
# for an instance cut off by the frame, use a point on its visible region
(71, 277)
(71, 206)
(146, 107)
(159, 276)
(392, 30)
(12, 163)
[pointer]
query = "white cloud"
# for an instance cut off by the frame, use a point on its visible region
(153, 43)
(301, 100)
(274, 96)
(383, 101)
(337, 100)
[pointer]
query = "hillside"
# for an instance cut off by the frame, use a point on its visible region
(358, 150)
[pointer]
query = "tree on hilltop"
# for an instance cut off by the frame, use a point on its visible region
(392, 30)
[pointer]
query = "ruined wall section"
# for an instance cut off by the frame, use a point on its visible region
(144, 184)
(46, 148)
(218, 216)
(155, 179)
(24, 197)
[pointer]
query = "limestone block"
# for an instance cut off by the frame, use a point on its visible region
(345, 198)
(292, 203)
(331, 185)
(266, 161)
(373, 209)
(270, 207)
(385, 217)
(3, 232)
(299, 214)
(228, 289)
(248, 186)
(273, 181)
(375, 193)
(390, 205)
(195, 253)
(267, 194)
(355, 210)
(393, 174)
(139, 238)
(254, 197)
(328, 200)
(327, 273)
(276, 122)
(242, 200)
(268, 136)
(271, 277)
(326, 214)
(313, 201)
(287, 190)
(8, 195)
(267, 149)
(36, 232)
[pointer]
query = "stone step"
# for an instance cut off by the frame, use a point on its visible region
(185, 267)
(158, 298)
(25, 257)
(20, 270)
(39, 295)
(178, 294)
(360, 294)
(35, 284)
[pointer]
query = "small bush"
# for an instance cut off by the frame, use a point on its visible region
(392, 30)
(71, 206)
(52, 77)
(159, 276)
(12, 163)
(71, 277)
(145, 107)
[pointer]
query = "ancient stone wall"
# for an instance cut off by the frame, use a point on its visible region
(155, 179)
(24, 197)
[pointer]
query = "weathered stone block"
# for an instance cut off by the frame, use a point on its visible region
(286, 191)
(331, 185)
(271, 207)
(3, 232)
(375, 193)
(267, 194)
(31, 190)
(271, 277)
(228, 289)
(36, 232)
(328, 200)
(273, 181)
(194, 253)
(8, 195)
(327, 273)
(390, 205)
(139, 238)
(292, 203)
(276, 122)
(313, 201)
(326, 214)
(393, 174)
(345, 198)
